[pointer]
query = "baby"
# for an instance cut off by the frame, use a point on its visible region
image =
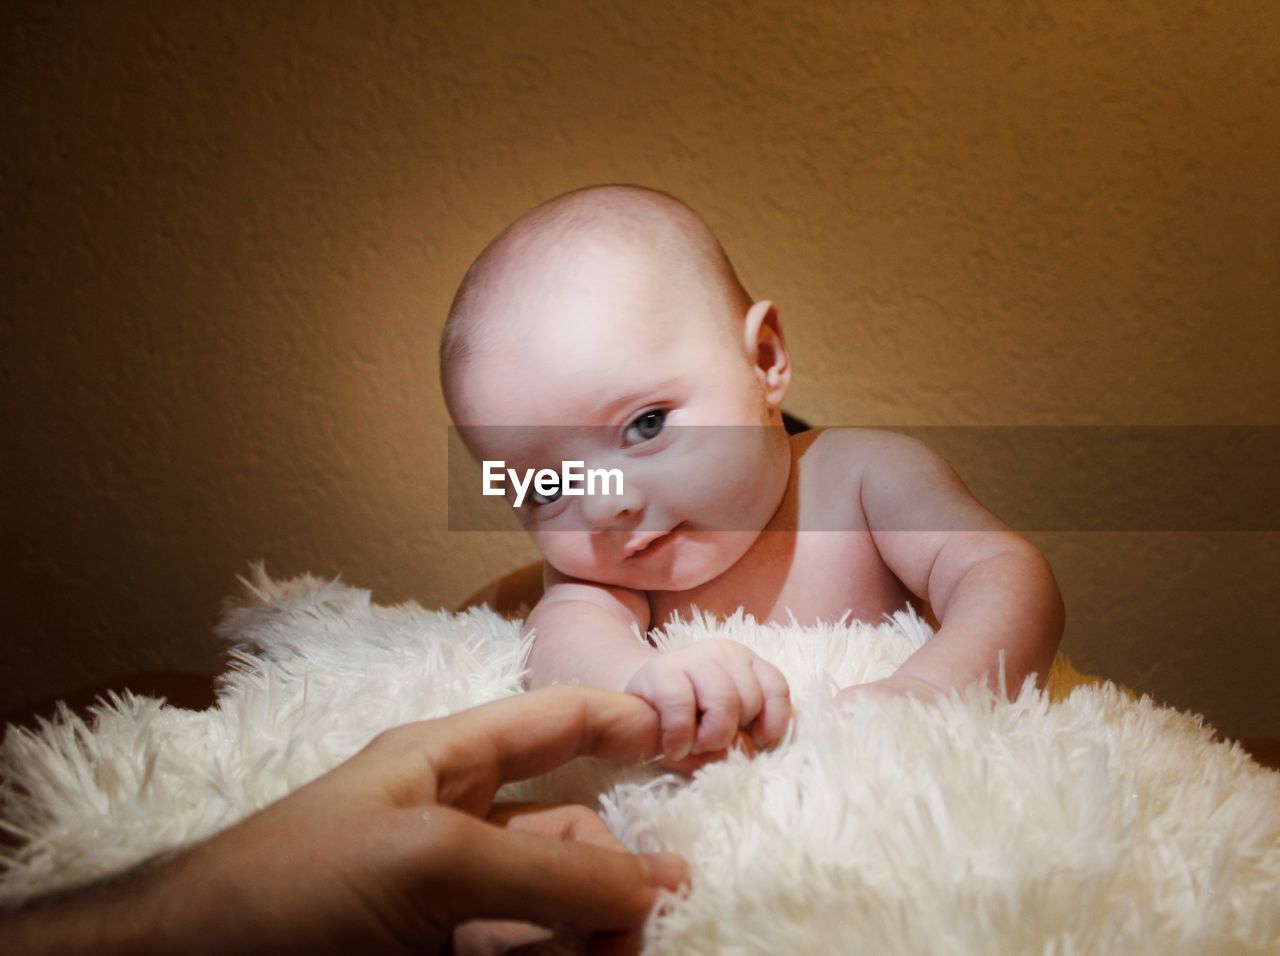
(614, 309)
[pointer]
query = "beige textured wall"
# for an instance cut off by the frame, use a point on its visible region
(231, 231)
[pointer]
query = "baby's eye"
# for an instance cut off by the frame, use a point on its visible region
(540, 499)
(646, 426)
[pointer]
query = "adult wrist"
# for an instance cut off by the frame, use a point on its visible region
(122, 914)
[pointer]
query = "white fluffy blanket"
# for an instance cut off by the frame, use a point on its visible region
(1100, 824)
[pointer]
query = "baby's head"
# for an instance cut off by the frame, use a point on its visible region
(614, 309)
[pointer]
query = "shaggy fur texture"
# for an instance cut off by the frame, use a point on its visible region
(1098, 824)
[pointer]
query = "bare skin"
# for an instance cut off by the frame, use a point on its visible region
(396, 851)
(626, 341)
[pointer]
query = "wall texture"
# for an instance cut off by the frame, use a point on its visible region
(231, 232)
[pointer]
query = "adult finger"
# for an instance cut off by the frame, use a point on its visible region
(512, 875)
(718, 708)
(487, 937)
(672, 697)
(627, 943)
(775, 713)
(559, 821)
(470, 754)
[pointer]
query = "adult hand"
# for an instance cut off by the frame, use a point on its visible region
(391, 850)
(488, 937)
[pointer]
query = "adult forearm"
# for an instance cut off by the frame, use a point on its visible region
(1006, 606)
(66, 926)
(149, 909)
(576, 642)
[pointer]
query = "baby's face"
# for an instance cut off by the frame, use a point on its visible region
(620, 369)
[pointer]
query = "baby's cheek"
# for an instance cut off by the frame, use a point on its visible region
(567, 552)
(713, 468)
(734, 496)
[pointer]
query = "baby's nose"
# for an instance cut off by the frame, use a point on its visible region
(607, 512)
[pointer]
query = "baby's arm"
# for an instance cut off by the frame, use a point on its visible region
(703, 693)
(583, 634)
(992, 590)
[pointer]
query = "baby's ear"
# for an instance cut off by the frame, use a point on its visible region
(762, 335)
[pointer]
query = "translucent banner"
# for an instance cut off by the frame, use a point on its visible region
(1034, 478)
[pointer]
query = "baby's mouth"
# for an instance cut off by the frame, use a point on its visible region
(650, 543)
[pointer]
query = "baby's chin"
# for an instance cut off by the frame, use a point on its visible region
(690, 560)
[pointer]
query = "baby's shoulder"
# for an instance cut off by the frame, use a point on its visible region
(863, 466)
(852, 452)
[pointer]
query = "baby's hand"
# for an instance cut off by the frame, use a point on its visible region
(705, 692)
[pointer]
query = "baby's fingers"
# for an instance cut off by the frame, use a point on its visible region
(719, 708)
(775, 712)
(750, 693)
(672, 695)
